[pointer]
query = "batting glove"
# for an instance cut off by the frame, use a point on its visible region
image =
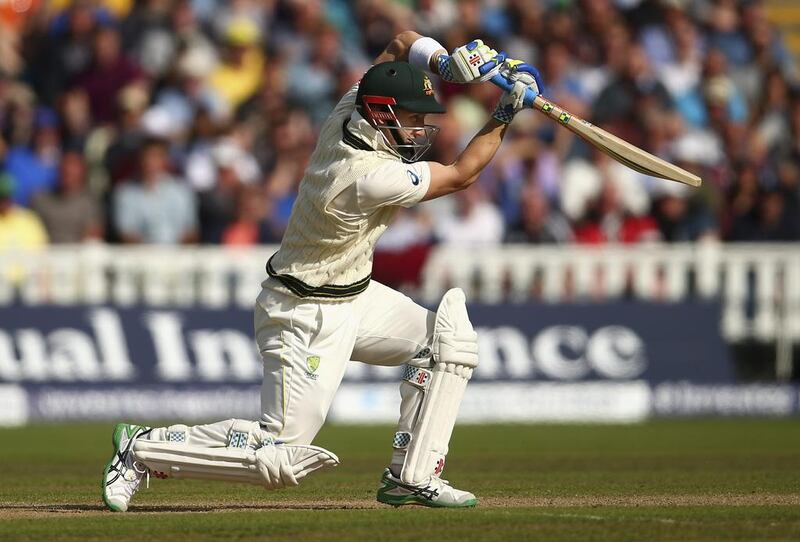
(524, 77)
(471, 63)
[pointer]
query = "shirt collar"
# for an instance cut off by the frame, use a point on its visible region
(359, 127)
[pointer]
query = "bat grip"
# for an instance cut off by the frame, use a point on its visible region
(507, 85)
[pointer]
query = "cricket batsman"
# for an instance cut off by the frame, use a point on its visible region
(319, 308)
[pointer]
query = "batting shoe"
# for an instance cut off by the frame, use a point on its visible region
(123, 474)
(436, 493)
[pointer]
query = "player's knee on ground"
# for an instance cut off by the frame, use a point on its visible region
(232, 450)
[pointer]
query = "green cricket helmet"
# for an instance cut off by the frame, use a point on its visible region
(399, 85)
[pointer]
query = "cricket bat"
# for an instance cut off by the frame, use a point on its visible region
(618, 149)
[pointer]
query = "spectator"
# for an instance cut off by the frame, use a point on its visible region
(59, 53)
(311, 83)
(681, 217)
(636, 89)
(76, 115)
(768, 47)
(157, 207)
(239, 75)
(70, 213)
(563, 85)
(402, 251)
(538, 222)
(606, 221)
(110, 71)
(147, 31)
(434, 17)
(583, 183)
(792, 146)
(120, 157)
(191, 94)
(664, 40)
(35, 167)
(768, 220)
(705, 83)
(681, 74)
(715, 101)
(475, 222)
(250, 226)
(233, 151)
(726, 32)
(771, 117)
(219, 203)
(20, 228)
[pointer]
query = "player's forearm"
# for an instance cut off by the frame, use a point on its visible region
(400, 46)
(446, 179)
(480, 151)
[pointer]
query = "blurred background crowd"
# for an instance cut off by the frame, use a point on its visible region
(191, 121)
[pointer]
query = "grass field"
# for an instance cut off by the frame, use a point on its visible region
(665, 480)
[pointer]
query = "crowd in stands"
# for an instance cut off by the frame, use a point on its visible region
(191, 121)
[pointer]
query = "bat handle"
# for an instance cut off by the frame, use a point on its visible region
(507, 85)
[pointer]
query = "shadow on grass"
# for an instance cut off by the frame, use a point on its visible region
(67, 508)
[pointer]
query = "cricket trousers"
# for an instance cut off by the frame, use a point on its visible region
(306, 346)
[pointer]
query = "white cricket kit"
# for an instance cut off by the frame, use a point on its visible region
(319, 309)
(326, 256)
(350, 192)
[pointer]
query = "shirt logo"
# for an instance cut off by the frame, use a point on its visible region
(413, 176)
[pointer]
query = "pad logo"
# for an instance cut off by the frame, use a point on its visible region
(313, 363)
(564, 118)
(439, 467)
(427, 86)
(547, 107)
(413, 176)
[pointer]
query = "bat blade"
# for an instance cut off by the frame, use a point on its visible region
(618, 149)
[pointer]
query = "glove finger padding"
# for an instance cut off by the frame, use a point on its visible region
(283, 465)
(310, 459)
(471, 63)
(524, 78)
(516, 70)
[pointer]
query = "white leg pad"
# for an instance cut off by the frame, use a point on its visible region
(455, 353)
(251, 456)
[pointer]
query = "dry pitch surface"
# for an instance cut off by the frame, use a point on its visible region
(665, 480)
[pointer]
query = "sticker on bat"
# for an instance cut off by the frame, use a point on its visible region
(547, 107)
(563, 118)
